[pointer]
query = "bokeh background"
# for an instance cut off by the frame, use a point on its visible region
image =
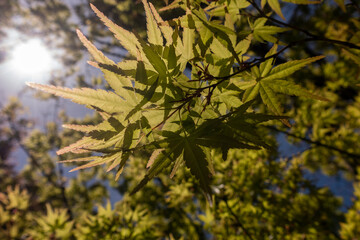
(38, 43)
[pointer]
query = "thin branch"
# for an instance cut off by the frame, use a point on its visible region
(354, 156)
(356, 6)
(255, 63)
(313, 36)
(238, 222)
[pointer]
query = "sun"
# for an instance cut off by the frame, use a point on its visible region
(31, 58)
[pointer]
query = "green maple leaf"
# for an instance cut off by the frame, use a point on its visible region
(269, 81)
(186, 148)
(106, 101)
(263, 33)
(236, 130)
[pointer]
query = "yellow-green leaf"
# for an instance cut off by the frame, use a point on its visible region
(115, 81)
(288, 68)
(154, 59)
(127, 39)
(306, 1)
(275, 5)
(98, 161)
(166, 30)
(251, 93)
(106, 101)
(266, 66)
(188, 40)
(290, 88)
(242, 46)
(153, 30)
(271, 100)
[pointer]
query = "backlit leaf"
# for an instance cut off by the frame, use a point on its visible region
(275, 5)
(153, 31)
(288, 68)
(126, 38)
(107, 101)
(116, 81)
(154, 58)
(271, 100)
(195, 159)
(166, 30)
(306, 1)
(289, 88)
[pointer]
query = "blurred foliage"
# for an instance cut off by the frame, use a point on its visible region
(257, 194)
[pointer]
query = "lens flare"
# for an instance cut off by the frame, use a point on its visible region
(32, 58)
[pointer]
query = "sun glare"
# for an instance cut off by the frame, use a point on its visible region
(32, 58)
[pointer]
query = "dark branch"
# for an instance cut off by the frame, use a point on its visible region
(313, 36)
(238, 222)
(353, 156)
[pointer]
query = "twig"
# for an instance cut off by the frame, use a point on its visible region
(353, 156)
(356, 6)
(255, 63)
(313, 36)
(320, 144)
(238, 222)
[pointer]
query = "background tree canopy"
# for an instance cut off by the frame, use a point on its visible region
(227, 119)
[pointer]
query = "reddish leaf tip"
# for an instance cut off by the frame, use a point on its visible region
(93, 7)
(94, 64)
(80, 34)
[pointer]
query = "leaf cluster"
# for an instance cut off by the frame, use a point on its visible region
(154, 105)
